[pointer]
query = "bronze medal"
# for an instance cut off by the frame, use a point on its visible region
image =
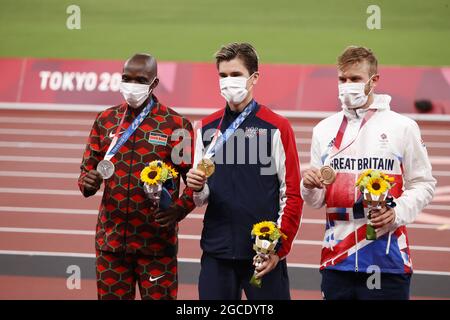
(328, 175)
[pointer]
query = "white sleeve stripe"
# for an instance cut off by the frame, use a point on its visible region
(279, 156)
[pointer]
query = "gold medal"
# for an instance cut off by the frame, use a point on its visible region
(328, 175)
(206, 166)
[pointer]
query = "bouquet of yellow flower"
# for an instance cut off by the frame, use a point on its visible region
(374, 187)
(267, 238)
(154, 177)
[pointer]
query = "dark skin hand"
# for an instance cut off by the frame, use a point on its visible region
(141, 68)
(168, 217)
(92, 182)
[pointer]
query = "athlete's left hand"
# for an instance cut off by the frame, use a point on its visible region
(382, 218)
(268, 265)
(168, 217)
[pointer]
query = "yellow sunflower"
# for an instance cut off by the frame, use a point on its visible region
(377, 186)
(151, 175)
(155, 164)
(263, 229)
(362, 176)
(173, 172)
(387, 178)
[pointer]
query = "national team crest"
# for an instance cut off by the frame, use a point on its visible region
(158, 138)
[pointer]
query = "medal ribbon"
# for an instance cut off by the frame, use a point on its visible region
(340, 134)
(215, 146)
(117, 143)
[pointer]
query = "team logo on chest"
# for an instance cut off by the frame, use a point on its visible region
(158, 138)
(251, 132)
(384, 141)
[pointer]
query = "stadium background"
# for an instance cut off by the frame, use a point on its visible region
(45, 224)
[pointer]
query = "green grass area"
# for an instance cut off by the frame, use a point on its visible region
(413, 32)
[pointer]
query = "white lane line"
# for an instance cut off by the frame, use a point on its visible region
(441, 173)
(184, 110)
(442, 221)
(303, 142)
(196, 216)
(40, 159)
(181, 259)
(56, 121)
(436, 132)
(44, 191)
(302, 128)
(47, 253)
(34, 174)
(304, 164)
(39, 132)
(437, 145)
(48, 210)
(440, 160)
(441, 198)
(79, 133)
(430, 248)
(437, 207)
(89, 122)
(41, 145)
(48, 231)
(442, 190)
(6, 209)
(180, 236)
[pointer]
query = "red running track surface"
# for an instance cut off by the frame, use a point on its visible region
(41, 208)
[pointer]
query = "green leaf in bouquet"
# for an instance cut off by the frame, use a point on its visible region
(256, 282)
(375, 174)
(275, 235)
(164, 174)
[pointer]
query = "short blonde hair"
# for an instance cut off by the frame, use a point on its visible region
(354, 54)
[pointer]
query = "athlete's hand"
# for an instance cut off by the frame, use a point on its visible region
(312, 179)
(170, 216)
(196, 179)
(92, 182)
(382, 218)
(269, 263)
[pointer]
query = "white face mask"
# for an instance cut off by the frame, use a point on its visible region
(234, 89)
(135, 93)
(352, 94)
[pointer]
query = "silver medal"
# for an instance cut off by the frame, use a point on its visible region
(105, 168)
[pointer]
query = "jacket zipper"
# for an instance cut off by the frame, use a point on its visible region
(128, 195)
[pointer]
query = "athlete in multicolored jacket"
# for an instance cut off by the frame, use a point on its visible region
(135, 241)
(366, 134)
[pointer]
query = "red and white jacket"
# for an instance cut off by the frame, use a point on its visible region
(388, 142)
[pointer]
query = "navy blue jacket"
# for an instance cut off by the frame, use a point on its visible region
(259, 181)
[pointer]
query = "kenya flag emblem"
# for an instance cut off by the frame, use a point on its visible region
(158, 138)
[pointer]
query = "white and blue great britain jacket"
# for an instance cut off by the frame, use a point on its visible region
(388, 142)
